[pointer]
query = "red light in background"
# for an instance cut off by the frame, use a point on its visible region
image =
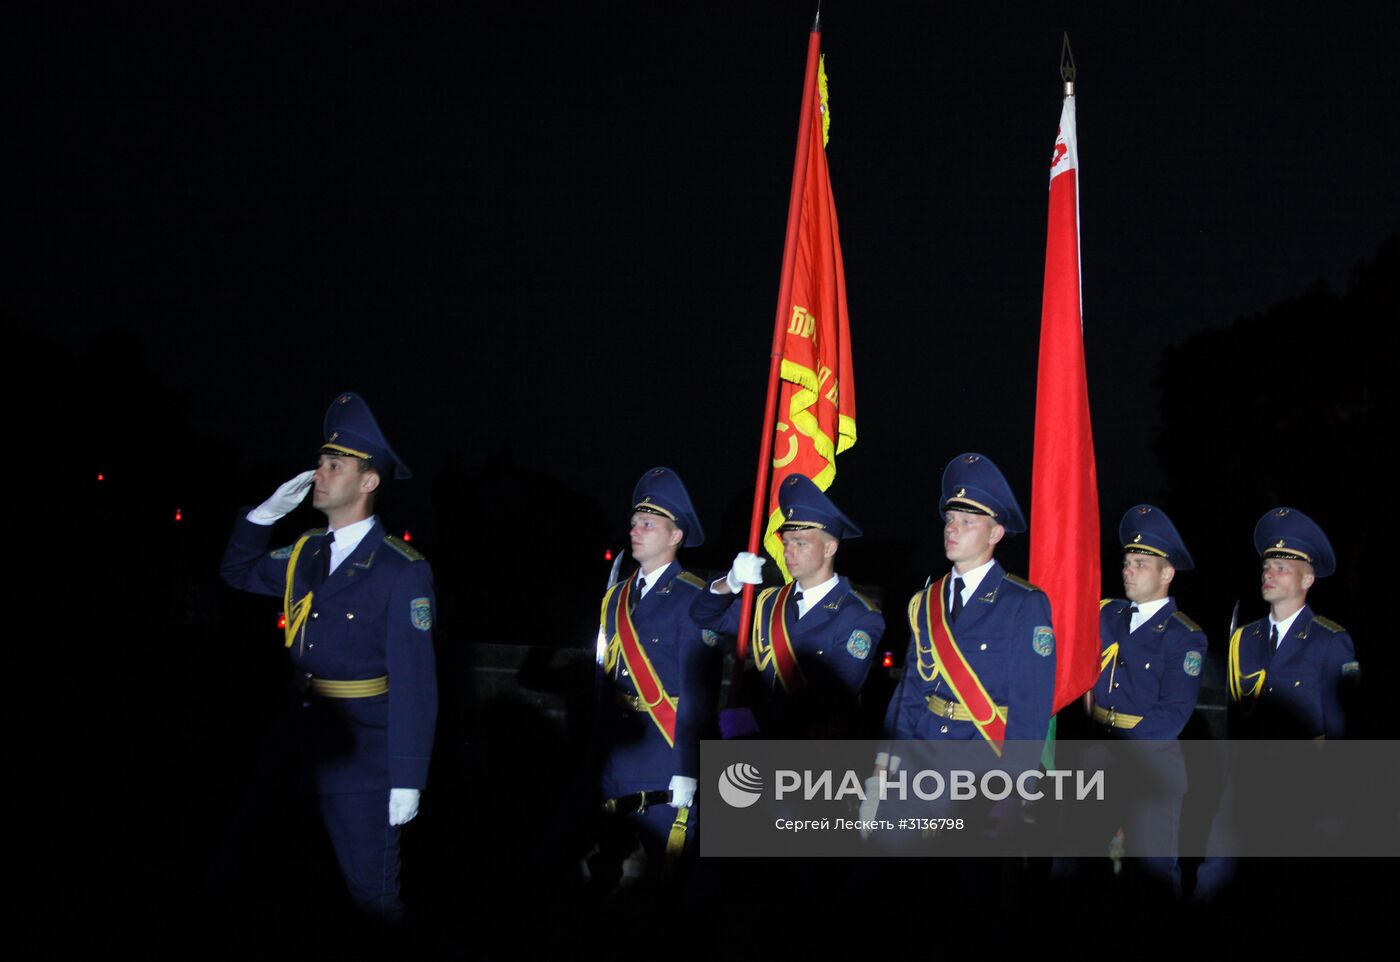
(607, 555)
(407, 536)
(282, 620)
(101, 476)
(888, 660)
(178, 515)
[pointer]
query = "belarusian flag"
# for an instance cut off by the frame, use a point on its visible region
(1064, 485)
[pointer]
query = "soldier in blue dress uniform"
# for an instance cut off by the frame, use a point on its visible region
(812, 640)
(1292, 669)
(980, 668)
(655, 668)
(1152, 651)
(1000, 623)
(1291, 674)
(1150, 680)
(359, 606)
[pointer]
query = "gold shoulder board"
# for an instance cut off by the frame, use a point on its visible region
(408, 551)
(1186, 620)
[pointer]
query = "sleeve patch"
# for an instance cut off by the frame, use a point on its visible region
(1043, 641)
(420, 612)
(1192, 664)
(710, 638)
(282, 554)
(859, 645)
(1351, 668)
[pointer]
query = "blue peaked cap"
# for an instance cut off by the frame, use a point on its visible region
(804, 506)
(972, 483)
(1146, 529)
(1289, 533)
(661, 491)
(352, 432)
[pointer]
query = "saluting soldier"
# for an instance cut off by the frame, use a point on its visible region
(981, 661)
(1291, 668)
(655, 700)
(1149, 682)
(359, 610)
(813, 637)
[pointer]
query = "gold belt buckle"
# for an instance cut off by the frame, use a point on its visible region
(948, 709)
(1113, 718)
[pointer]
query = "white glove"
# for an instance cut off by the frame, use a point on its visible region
(886, 761)
(871, 803)
(747, 570)
(682, 791)
(283, 500)
(403, 805)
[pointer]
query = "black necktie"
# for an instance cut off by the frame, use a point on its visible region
(957, 599)
(636, 595)
(1128, 617)
(1273, 637)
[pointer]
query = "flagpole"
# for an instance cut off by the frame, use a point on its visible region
(775, 359)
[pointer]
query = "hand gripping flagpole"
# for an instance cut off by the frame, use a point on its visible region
(775, 360)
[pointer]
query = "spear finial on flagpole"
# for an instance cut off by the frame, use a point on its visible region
(1067, 66)
(817, 23)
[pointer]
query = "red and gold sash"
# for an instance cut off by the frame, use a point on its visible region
(650, 692)
(777, 650)
(967, 687)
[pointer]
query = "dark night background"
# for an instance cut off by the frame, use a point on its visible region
(543, 240)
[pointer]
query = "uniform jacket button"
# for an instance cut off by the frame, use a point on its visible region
(350, 615)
